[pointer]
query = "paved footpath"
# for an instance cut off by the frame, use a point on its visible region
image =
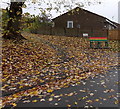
(101, 91)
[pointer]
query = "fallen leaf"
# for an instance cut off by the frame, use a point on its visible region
(34, 101)
(50, 99)
(50, 90)
(14, 104)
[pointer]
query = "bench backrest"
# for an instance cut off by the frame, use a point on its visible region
(98, 38)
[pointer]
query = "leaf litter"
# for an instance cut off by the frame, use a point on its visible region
(34, 62)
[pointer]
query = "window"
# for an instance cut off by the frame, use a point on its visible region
(69, 24)
(111, 27)
(78, 26)
(53, 24)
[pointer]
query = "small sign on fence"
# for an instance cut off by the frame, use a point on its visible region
(85, 34)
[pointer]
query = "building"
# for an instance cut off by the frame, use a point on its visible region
(79, 22)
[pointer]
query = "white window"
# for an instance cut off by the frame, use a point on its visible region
(69, 24)
(111, 27)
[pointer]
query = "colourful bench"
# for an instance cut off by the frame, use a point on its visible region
(99, 40)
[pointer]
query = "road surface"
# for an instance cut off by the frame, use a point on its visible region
(101, 91)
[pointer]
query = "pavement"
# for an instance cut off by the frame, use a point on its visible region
(101, 91)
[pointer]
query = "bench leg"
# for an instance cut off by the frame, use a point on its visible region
(99, 45)
(106, 44)
(91, 44)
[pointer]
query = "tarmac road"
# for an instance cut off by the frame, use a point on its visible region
(101, 91)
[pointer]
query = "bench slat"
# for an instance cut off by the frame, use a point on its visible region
(98, 38)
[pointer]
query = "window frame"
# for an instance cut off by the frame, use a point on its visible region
(68, 24)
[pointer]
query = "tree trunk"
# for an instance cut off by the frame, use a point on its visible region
(12, 30)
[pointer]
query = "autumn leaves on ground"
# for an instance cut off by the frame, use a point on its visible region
(45, 63)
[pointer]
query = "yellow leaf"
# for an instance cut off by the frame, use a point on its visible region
(70, 94)
(116, 102)
(4, 86)
(10, 98)
(35, 92)
(34, 101)
(41, 80)
(96, 99)
(14, 104)
(52, 94)
(20, 87)
(76, 103)
(15, 95)
(68, 105)
(50, 90)
(74, 79)
(65, 84)
(85, 97)
(61, 94)
(89, 101)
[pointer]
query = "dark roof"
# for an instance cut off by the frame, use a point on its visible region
(80, 9)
